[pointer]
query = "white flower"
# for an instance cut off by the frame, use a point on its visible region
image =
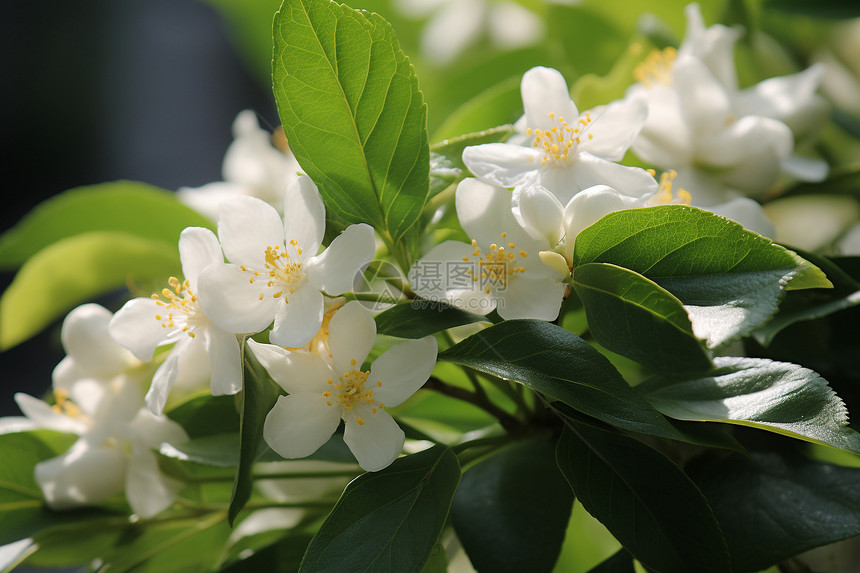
(252, 166)
(114, 450)
(561, 150)
(200, 348)
(324, 391)
(276, 272)
(722, 140)
(500, 270)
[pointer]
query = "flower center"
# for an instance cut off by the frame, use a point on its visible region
(558, 140)
(284, 271)
(496, 265)
(179, 306)
(656, 68)
(665, 194)
(351, 391)
(62, 405)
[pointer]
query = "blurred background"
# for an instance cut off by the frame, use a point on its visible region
(102, 90)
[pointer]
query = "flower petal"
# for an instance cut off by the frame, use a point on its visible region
(783, 98)
(441, 269)
(198, 248)
(503, 164)
(375, 443)
(295, 372)
(526, 297)
(590, 170)
(485, 213)
(805, 168)
(149, 430)
(473, 300)
(299, 319)
(336, 269)
(664, 139)
(539, 212)
(135, 327)
(403, 369)
(352, 332)
(232, 302)
(226, 361)
(304, 215)
(299, 424)
(43, 416)
(545, 92)
(246, 226)
(207, 199)
(714, 46)
(147, 490)
(614, 127)
(165, 376)
(704, 102)
(84, 475)
(87, 340)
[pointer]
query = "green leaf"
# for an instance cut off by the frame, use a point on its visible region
(729, 279)
(420, 318)
(557, 363)
(621, 562)
(353, 113)
(74, 270)
(771, 507)
(285, 556)
(206, 415)
(219, 450)
(511, 509)
(645, 500)
(446, 157)
(388, 520)
(834, 9)
(775, 396)
(500, 104)
(123, 206)
(635, 317)
(258, 397)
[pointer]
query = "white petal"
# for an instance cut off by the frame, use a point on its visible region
(665, 138)
(66, 373)
(301, 372)
(135, 327)
(703, 100)
(375, 443)
(590, 170)
(526, 297)
(750, 135)
(614, 128)
(299, 424)
(352, 332)
(441, 269)
(503, 164)
(298, 319)
(473, 300)
(512, 26)
(85, 475)
(165, 376)
(149, 430)
(304, 215)
(44, 417)
(195, 370)
(232, 302)
(705, 188)
(539, 212)
(88, 394)
(336, 269)
(588, 207)
(246, 226)
(805, 168)
(87, 341)
(544, 91)
(148, 491)
(485, 213)
(784, 97)
(207, 199)
(748, 213)
(198, 248)
(402, 369)
(225, 360)
(714, 46)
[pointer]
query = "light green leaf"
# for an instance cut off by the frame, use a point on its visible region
(353, 113)
(259, 394)
(635, 317)
(776, 396)
(645, 500)
(512, 508)
(388, 520)
(446, 157)
(729, 279)
(500, 104)
(125, 206)
(74, 270)
(621, 562)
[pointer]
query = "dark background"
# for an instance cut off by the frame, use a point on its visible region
(99, 90)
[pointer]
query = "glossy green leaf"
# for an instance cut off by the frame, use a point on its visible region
(123, 206)
(206, 415)
(645, 500)
(729, 279)
(776, 396)
(635, 317)
(219, 450)
(771, 507)
(419, 318)
(388, 520)
(559, 364)
(621, 562)
(75, 270)
(258, 397)
(353, 113)
(512, 508)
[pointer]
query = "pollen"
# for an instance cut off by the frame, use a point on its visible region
(493, 268)
(656, 68)
(285, 272)
(179, 303)
(558, 141)
(665, 193)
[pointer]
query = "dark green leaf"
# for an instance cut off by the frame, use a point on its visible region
(776, 396)
(621, 562)
(420, 318)
(511, 509)
(258, 397)
(729, 279)
(74, 270)
(281, 557)
(550, 360)
(353, 113)
(635, 317)
(220, 450)
(835, 9)
(645, 500)
(128, 206)
(388, 520)
(772, 507)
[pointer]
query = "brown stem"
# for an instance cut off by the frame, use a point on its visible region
(508, 421)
